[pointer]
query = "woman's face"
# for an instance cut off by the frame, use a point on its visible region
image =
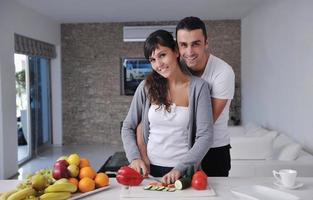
(164, 61)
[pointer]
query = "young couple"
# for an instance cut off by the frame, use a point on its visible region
(177, 119)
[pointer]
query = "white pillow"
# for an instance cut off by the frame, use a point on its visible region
(281, 141)
(261, 132)
(256, 132)
(260, 147)
(273, 133)
(250, 126)
(290, 152)
(252, 129)
(236, 131)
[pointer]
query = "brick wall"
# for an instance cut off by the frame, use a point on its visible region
(92, 105)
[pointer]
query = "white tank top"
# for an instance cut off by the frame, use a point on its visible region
(168, 141)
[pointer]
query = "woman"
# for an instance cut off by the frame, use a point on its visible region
(175, 112)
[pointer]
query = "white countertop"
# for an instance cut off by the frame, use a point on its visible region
(221, 185)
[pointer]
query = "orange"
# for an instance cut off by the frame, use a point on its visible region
(87, 172)
(86, 185)
(101, 180)
(74, 181)
(84, 163)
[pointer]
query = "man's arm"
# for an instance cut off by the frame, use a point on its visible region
(218, 106)
(222, 89)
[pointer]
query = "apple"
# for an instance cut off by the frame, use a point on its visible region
(60, 169)
(60, 172)
(73, 170)
(62, 163)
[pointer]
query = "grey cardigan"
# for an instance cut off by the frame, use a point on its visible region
(200, 127)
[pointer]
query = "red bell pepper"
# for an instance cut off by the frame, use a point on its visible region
(128, 176)
(199, 181)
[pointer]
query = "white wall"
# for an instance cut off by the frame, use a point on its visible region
(277, 68)
(14, 18)
(56, 96)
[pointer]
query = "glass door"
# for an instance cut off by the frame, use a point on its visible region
(39, 73)
(33, 105)
(22, 107)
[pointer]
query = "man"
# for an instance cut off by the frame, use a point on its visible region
(193, 45)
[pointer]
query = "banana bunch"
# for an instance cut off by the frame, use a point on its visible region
(36, 187)
(55, 196)
(61, 187)
(18, 194)
(59, 190)
(5, 195)
(32, 198)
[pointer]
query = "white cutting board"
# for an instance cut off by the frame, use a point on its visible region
(139, 192)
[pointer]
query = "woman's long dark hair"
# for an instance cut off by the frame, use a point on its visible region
(157, 85)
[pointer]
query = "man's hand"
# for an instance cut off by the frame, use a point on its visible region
(171, 177)
(140, 166)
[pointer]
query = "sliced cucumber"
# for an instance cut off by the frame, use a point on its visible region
(178, 185)
(160, 188)
(148, 187)
(183, 183)
(154, 187)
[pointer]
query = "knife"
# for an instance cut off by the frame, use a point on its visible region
(154, 178)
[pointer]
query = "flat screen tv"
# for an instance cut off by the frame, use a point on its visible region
(133, 71)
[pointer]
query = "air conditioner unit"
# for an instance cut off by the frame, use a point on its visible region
(140, 33)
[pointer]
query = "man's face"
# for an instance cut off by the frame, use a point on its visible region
(192, 48)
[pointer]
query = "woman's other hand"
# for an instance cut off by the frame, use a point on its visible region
(171, 177)
(140, 166)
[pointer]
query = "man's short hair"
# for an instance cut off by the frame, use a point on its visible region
(192, 23)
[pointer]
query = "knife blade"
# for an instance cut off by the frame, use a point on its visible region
(154, 178)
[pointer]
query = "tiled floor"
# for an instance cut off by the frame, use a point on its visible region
(96, 154)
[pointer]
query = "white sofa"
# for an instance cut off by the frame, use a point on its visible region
(257, 152)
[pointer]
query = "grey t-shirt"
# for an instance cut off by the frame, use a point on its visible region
(200, 126)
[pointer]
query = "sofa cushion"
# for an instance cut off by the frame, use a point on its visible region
(261, 132)
(256, 132)
(290, 152)
(257, 147)
(252, 129)
(281, 141)
(235, 131)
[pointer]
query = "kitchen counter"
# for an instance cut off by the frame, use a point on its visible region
(221, 185)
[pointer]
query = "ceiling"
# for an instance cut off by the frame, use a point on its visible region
(72, 11)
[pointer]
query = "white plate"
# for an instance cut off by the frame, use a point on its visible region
(81, 195)
(259, 192)
(296, 186)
